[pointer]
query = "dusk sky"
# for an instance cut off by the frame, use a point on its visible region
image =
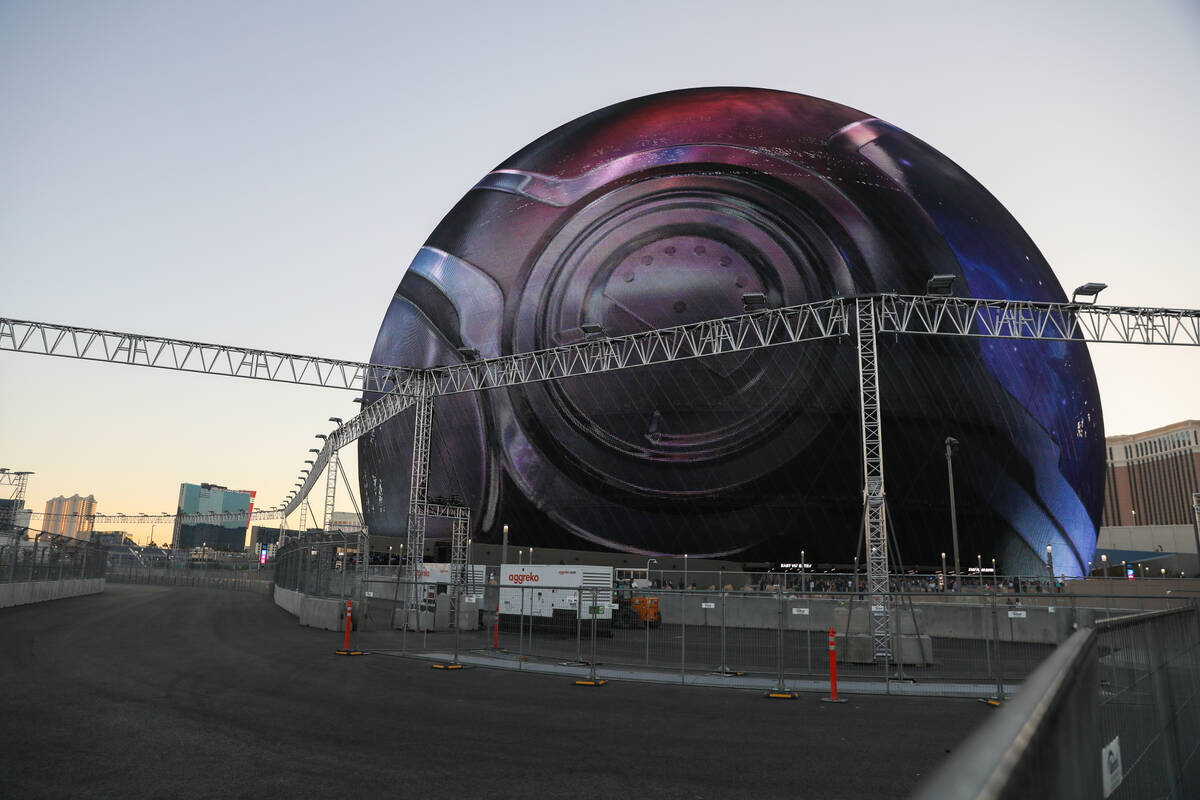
(261, 174)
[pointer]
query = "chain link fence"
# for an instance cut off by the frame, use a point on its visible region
(754, 632)
(47, 557)
(1113, 713)
(162, 567)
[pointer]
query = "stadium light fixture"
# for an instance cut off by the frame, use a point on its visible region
(1088, 290)
(592, 329)
(313, 450)
(754, 301)
(469, 353)
(336, 420)
(321, 436)
(940, 285)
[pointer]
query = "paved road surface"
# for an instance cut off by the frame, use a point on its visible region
(149, 691)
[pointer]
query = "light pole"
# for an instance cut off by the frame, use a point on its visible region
(1196, 522)
(979, 566)
(951, 449)
(685, 566)
(1050, 560)
(943, 572)
(803, 582)
(504, 546)
(1104, 564)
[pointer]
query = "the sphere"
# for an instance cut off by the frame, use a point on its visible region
(668, 209)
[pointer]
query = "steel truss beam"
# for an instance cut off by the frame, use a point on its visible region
(460, 565)
(875, 509)
(418, 491)
(1022, 319)
(330, 491)
(895, 313)
(93, 344)
(156, 519)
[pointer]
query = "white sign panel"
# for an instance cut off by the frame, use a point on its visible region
(799, 612)
(370, 594)
(1016, 615)
(1110, 765)
(708, 605)
(1052, 609)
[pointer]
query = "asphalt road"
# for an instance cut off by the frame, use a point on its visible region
(149, 691)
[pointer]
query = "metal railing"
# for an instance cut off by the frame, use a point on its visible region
(1114, 712)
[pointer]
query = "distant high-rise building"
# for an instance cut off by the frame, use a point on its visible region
(70, 516)
(208, 498)
(1151, 476)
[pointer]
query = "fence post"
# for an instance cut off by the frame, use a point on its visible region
(780, 691)
(647, 607)
(724, 661)
(996, 639)
(683, 601)
(779, 637)
(458, 615)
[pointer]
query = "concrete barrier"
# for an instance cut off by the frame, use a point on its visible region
(1050, 621)
(326, 613)
(288, 600)
(18, 594)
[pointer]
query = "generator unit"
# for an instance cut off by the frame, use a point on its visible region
(556, 596)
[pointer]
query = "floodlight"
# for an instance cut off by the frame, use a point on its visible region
(337, 420)
(469, 353)
(1088, 290)
(940, 285)
(314, 450)
(321, 436)
(592, 328)
(754, 301)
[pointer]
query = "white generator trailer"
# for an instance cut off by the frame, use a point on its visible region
(555, 596)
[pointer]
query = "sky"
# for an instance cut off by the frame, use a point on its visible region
(261, 174)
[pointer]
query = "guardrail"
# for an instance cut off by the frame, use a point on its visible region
(1113, 712)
